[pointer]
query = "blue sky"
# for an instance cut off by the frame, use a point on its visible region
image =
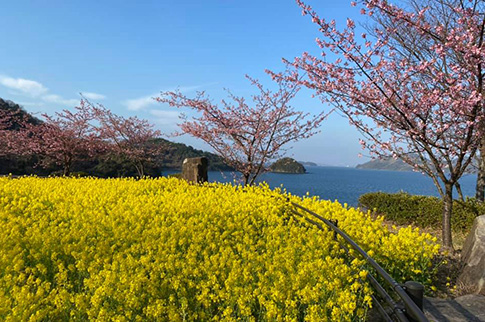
(122, 53)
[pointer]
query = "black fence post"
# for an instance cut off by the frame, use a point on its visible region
(335, 223)
(415, 291)
(411, 293)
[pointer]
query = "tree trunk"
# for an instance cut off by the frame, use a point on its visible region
(67, 170)
(252, 182)
(480, 189)
(246, 179)
(139, 170)
(460, 193)
(447, 212)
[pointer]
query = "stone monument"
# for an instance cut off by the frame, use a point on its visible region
(195, 169)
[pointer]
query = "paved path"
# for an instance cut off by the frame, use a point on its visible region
(467, 308)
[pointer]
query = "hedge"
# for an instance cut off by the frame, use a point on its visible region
(421, 211)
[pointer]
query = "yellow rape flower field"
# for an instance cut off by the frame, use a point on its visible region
(163, 249)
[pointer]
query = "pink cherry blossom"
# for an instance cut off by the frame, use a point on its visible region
(414, 92)
(247, 135)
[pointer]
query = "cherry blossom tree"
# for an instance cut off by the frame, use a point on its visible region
(130, 138)
(413, 87)
(247, 136)
(445, 14)
(12, 126)
(5, 119)
(5, 124)
(12, 118)
(62, 139)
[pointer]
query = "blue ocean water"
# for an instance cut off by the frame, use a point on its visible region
(347, 184)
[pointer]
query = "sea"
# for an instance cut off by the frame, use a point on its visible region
(347, 184)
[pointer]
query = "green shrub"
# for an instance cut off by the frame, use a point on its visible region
(79, 174)
(175, 175)
(422, 211)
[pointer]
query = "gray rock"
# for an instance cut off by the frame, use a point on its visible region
(195, 169)
(472, 276)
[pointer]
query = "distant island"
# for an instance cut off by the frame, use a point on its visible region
(399, 165)
(386, 164)
(287, 165)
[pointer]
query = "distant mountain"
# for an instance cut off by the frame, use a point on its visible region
(308, 163)
(172, 156)
(386, 164)
(399, 165)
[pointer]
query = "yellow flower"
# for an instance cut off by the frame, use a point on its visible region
(164, 249)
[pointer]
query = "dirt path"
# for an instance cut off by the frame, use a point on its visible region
(466, 308)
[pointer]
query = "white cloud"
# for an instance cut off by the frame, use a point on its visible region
(30, 103)
(140, 103)
(23, 86)
(93, 96)
(166, 120)
(56, 99)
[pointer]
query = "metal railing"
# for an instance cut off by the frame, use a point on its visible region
(410, 306)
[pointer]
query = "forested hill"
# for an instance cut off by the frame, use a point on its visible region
(171, 157)
(175, 153)
(6, 105)
(9, 105)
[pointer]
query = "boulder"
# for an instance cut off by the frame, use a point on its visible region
(195, 169)
(473, 257)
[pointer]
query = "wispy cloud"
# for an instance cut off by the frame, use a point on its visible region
(30, 103)
(56, 99)
(33, 89)
(140, 103)
(93, 96)
(166, 120)
(23, 86)
(165, 117)
(143, 102)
